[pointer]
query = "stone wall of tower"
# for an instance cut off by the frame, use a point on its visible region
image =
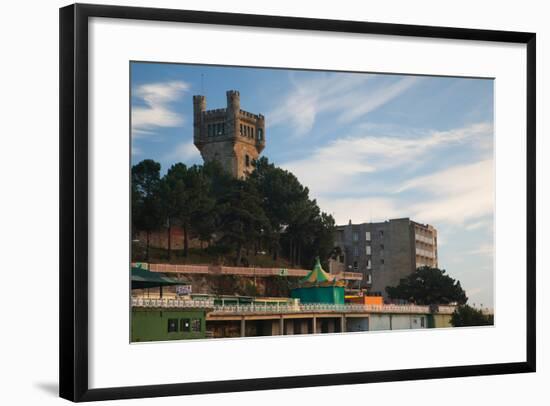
(231, 136)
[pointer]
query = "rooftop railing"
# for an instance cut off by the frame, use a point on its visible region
(171, 303)
(287, 308)
(241, 271)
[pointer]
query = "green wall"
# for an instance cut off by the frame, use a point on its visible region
(153, 324)
(320, 294)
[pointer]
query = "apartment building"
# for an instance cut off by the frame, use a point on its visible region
(386, 252)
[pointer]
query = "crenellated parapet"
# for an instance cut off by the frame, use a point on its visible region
(232, 136)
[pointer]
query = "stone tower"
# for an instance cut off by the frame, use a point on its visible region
(231, 136)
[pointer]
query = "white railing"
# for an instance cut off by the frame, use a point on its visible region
(172, 303)
(286, 308)
(320, 307)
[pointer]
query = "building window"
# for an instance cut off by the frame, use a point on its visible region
(355, 251)
(223, 128)
(252, 132)
(382, 247)
(196, 325)
(247, 160)
(369, 264)
(368, 250)
(185, 325)
(210, 130)
(382, 261)
(422, 322)
(172, 325)
(241, 130)
(355, 266)
(367, 235)
(381, 233)
(355, 236)
(260, 135)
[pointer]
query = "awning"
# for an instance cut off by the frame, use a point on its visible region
(142, 279)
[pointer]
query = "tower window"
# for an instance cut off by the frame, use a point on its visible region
(259, 134)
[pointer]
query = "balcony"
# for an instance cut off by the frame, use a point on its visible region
(425, 253)
(425, 240)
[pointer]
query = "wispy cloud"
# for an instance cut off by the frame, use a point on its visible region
(365, 105)
(136, 150)
(362, 209)
(183, 152)
(154, 108)
(484, 249)
(455, 195)
(476, 225)
(344, 162)
(348, 97)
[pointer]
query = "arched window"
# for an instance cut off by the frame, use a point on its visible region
(247, 160)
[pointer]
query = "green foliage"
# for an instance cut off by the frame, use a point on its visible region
(269, 211)
(249, 289)
(224, 284)
(465, 315)
(243, 220)
(298, 227)
(147, 204)
(428, 286)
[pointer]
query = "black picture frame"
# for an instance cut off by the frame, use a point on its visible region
(73, 282)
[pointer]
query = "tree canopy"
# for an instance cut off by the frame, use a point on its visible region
(428, 286)
(268, 211)
(148, 209)
(465, 316)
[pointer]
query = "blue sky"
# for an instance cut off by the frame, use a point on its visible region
(369, 146)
